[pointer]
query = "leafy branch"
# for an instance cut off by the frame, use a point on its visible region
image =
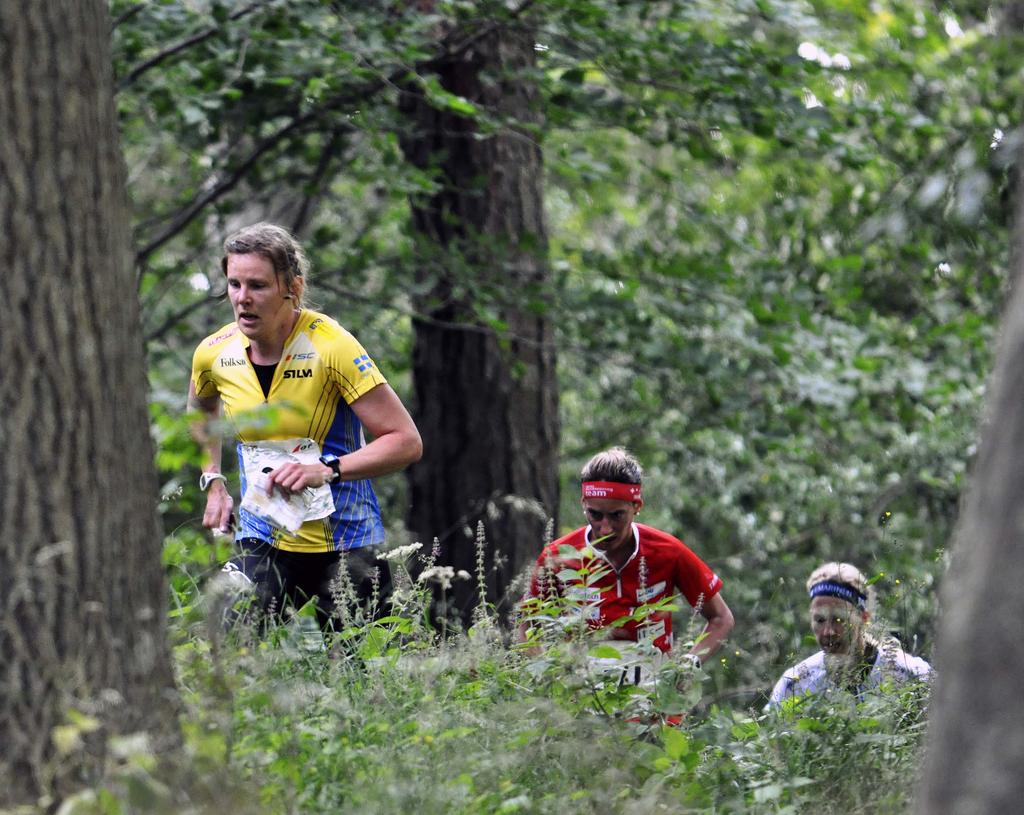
(178, 47)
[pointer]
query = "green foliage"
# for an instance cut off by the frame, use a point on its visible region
(828, 753)
(389, 716)
(786, 220)
(777, 236)
(573, 662)
(795, 319)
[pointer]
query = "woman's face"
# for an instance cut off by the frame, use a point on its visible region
(257, 297)
(838, 626)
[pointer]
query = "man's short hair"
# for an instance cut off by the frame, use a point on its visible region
(615, 464)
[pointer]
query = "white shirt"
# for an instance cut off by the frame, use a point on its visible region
(811, 676)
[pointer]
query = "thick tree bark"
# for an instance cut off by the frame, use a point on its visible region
(975, 746)
(486, 396)
(83, 625)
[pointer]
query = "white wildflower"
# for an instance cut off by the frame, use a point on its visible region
(442, 575)
(401, 552)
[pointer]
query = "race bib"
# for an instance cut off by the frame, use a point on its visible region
(646, 595)
(649, 631)
(286, 511)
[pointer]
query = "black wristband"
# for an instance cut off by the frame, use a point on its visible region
(334, 463)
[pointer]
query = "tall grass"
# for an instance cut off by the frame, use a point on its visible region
(393, 716)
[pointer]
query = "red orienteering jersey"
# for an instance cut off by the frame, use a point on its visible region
(660, 566)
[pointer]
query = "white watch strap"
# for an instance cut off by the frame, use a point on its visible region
(206, 479)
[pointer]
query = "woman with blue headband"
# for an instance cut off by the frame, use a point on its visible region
(850, 657)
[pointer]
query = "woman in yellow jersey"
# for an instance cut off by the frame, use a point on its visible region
(298, 390)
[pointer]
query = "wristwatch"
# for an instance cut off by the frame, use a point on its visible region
(206, 479)
(334, 463)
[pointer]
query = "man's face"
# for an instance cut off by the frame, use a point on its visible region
(610, 520)
(838, 626)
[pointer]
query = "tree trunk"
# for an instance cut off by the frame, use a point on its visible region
(83, 625)
(976, 728)
(484, 361)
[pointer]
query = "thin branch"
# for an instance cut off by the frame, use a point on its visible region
(183, 45)
(127, 15)
(889, 495)
(305, 210)
(457, 49)
(805, 536)
(174, 318)
(413, 314)
(190, 212)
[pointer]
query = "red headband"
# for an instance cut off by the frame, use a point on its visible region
(613, 490)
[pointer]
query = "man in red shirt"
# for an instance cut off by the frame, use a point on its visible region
(613, 566)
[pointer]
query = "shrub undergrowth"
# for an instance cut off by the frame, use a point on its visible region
(392, 716)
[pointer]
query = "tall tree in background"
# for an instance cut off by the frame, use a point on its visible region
(483, 361)
(84, 603)
(782, 222)
(281, 107)
(976, 728)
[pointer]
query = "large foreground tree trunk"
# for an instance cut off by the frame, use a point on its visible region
(484, 361)
(83, 622)
(976, 729)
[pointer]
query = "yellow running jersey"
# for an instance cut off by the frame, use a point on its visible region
(323, 369)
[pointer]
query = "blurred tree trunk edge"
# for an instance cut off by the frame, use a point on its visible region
(487, 403)
(85, 654)
(975, 742)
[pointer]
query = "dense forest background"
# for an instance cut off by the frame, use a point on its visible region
(764, 245)
(776, 251)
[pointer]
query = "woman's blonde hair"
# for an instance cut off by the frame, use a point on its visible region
(278, 245)
(845, 573)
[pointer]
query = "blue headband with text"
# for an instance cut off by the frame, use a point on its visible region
(829, 588)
